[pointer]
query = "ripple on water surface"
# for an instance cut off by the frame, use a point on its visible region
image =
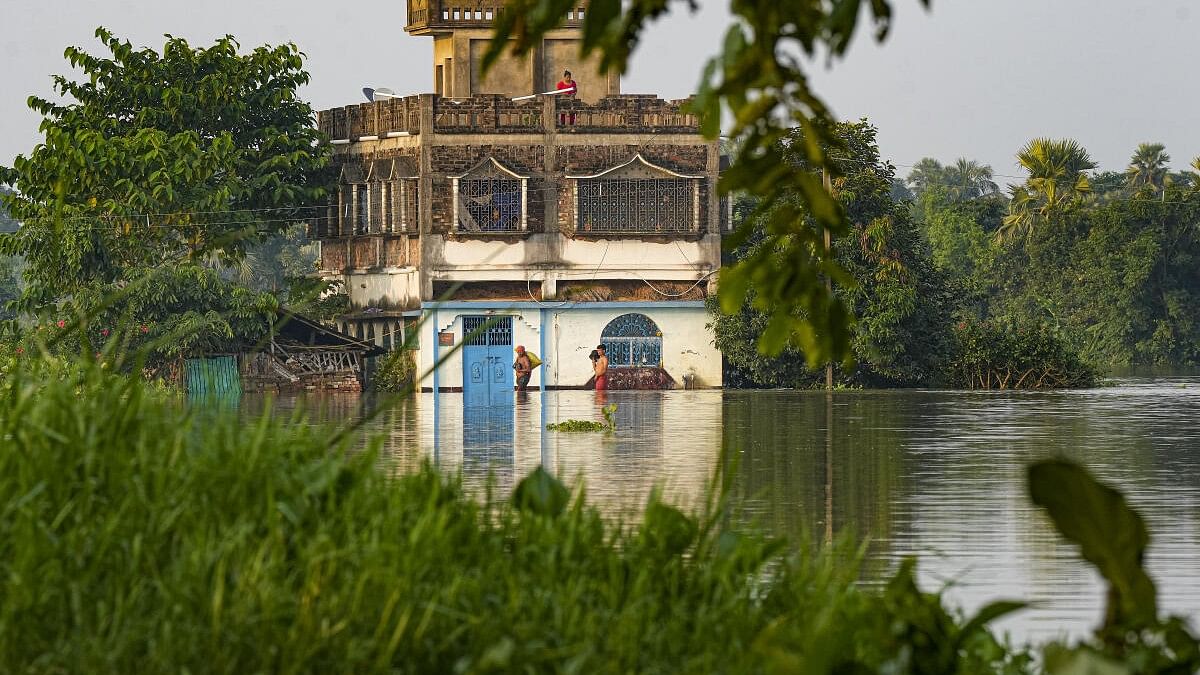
(933, 474)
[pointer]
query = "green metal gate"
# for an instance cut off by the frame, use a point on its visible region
(215, 375)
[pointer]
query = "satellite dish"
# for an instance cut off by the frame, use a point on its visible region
(378, 94)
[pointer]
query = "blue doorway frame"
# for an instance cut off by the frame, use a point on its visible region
(487, 361)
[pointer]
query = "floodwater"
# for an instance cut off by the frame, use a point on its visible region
(939, 475)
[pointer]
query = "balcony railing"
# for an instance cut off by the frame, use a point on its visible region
(425, 15)
(494, 114)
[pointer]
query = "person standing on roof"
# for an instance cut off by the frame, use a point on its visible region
(568, 88)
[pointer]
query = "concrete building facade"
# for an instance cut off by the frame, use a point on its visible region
(558, 222)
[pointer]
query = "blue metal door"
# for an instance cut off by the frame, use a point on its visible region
(487, 361)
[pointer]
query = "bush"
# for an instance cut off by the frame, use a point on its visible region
(1015, 354)
(396, 372)
(138, 537)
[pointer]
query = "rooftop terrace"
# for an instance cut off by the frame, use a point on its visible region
(494, 114)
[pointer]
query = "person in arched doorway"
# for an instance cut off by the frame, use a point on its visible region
(600, 368)
(567, 88)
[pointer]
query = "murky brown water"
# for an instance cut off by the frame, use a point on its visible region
(933, 474)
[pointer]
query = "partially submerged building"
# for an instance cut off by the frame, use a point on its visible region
(551, 222)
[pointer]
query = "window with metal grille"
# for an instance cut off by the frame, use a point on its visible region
(404, 205)
(388, 206)
(637, 205)
(345, 221)
(487, 330)
(632, 340)
(490, 204)
(363, 209)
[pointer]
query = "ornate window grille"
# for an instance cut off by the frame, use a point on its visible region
(362, 208)
(637, 197)
(641, 205)
(490, 198)
(632, 341)
(489, 205)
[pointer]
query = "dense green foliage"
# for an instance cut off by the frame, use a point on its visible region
(185, 151)
(1078, 273)
(396, 371)
(140, 536)
(1107, 265)
(903, 305)
(1015, 354)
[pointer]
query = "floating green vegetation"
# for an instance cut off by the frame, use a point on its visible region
(608, 424)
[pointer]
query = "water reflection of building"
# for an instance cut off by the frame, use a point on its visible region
(663, 439)
(556, 218)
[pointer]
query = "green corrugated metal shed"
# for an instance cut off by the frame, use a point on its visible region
(213, 375)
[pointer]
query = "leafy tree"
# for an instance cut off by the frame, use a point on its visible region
(1194, 174)
(1057, 181)
(7, 223)
(961, 247)
(926, 174)
(967, 179)
(1148, 168)
(900, 191)
(902, 301)
(1109, 185)
(758, 78)
(161, 156)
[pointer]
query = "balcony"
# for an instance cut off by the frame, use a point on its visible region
(429, 16)
(492, 114)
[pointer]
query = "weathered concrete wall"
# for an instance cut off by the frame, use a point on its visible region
(394, 289)
(509, 76)
(572, 333)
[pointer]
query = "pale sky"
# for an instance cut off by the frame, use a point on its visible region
(970, 78)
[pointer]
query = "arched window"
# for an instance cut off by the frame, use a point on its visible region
(632, 340)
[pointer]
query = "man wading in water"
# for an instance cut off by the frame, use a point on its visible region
(524, 367)
(600, 366)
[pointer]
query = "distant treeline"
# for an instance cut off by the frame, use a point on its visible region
(957, 282)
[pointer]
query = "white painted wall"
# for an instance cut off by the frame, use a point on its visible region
(450, 372)
(572, 333)
(392, 288)
(566, 258)
(687, 344)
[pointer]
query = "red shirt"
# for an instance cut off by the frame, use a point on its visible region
(573, 86)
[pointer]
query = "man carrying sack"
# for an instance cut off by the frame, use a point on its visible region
(524, 365)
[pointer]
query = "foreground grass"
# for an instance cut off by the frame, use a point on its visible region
(137, 538)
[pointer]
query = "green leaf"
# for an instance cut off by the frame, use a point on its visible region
(1110, 535)
(988, 614)
(541, 493)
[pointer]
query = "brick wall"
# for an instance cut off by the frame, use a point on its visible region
(333, 255)
(365, 252)
(588, 159)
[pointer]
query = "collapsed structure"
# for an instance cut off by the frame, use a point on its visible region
(554, 222)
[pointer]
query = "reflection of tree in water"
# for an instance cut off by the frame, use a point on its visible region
(783, 478)
(394, 430)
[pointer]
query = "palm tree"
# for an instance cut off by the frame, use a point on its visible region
(925, 174)
(968, 179)
(1148, 168)
(1194, 174)
(1057, 181)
